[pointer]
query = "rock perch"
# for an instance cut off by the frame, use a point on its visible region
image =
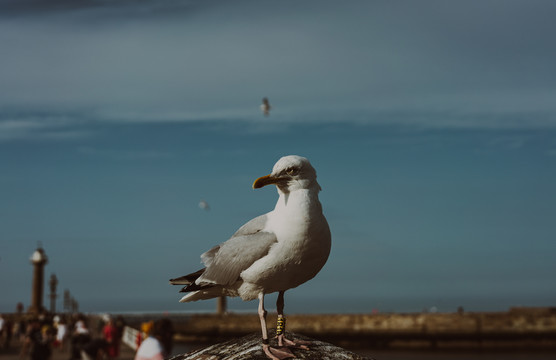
(249, 348)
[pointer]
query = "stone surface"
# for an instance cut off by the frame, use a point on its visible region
(249, 348)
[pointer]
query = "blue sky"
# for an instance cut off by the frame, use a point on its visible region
(432, 126)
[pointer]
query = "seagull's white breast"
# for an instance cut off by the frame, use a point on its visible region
(302, 248)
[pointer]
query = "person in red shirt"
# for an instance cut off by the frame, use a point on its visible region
(110, 334)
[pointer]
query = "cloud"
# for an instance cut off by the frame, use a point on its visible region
(75, 125)
(433, 64)
(115, 7)
(41, 125)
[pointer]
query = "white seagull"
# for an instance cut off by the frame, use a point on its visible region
(274, 252)
(204, 205)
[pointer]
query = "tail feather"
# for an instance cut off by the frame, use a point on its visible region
(195, 287)
(207, 293)
(187, 279)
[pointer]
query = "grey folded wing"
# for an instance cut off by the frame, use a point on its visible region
(225, 262)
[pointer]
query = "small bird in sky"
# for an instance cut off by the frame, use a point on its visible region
(203, 205)
(265, 107)
(273, 252)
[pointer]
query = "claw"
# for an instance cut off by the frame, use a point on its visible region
(277, 353)
(298, 344)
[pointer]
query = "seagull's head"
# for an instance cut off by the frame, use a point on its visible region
(290, 173)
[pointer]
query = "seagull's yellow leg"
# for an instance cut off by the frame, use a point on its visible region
(281, 327)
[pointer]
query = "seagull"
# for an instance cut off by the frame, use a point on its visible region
(265, 107)
(203, 205)
(273, 252)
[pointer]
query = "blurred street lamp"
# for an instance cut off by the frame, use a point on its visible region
(53, 296)
(39, 260)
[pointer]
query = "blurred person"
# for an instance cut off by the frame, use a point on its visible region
(94, 350)
(8, 331)
(80, 337)
(61, 333)
(2, 325)
(120, 326)
(146, 329)
(37, 341)
(158, 345)
(110, 334)
(21, 330)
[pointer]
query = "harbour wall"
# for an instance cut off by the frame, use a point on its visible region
(526, 328)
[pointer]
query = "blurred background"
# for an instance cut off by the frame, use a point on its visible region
(131, 132)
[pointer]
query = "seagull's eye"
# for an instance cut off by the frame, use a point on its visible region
(291, 171)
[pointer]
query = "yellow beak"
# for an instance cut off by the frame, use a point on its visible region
(264, 180)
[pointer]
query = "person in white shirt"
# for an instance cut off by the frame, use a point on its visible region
(61, 334)
(158, 345)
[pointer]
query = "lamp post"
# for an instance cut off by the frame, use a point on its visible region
(39, 260)
(221, 305)
(53, 283)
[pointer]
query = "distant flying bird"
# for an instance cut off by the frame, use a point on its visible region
(204, 205)
(265, 107)
(274, 252)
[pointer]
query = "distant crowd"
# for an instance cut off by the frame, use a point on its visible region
(38, 337)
